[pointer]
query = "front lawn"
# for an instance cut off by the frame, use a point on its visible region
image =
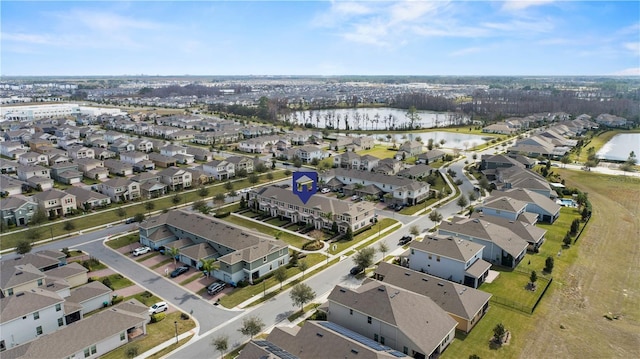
(371, 231)
(379, 151)
(117, 281)
(123, 241)
(288, 238)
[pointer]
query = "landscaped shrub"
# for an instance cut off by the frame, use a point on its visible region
(222, 214)
(146, 294)
(157, 317)
(117, 299)
(90, 263)
(132, 351)
(184, 316)
(107, 282)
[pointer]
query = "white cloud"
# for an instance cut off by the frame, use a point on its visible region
(634, 47)
(521, 26)
(517, 5)
(633, 71)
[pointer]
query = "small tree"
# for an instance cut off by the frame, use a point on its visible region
(253, 178)
(228, 185)
(414, 230)
(567, 239)
(243, 202)
(548, 264)
(176, 199)
(364, 257)
(173, 252)
(23, 247)
(203, 191)
(498, 333)
(40, 216)
(575, 226)
(149, 206)
(533, 278)
(383, 248)
(218, 200)
(251, 326)
(301, 294)
(303, 266)
(33, 234)
(280, 275)
(435, 217)
(349, 234)
(462, 201)
(139, 217)
(221, 343)
(294, 258)
(270, 176)
(69, 226)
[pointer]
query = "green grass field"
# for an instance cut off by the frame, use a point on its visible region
(289, 238)
(378, 151)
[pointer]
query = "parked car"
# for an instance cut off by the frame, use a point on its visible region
(215, 288)
(176, 272)
(354, 197)
(404, 240)
(355, 270)
(130, 220)
(141, 250)
(158, 308)
(325, 190)
(399, 207)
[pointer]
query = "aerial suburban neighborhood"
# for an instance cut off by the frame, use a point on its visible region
(349, 215)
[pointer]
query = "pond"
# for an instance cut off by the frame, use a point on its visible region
(382, 118)
(619, 147)
(451, 139)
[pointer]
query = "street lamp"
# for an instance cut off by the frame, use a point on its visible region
(176, 324)
(264, 289)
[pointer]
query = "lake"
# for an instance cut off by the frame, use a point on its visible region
(619, 147)
(375, 118)
(452, 140)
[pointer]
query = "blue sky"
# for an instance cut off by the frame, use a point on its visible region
(542, 37)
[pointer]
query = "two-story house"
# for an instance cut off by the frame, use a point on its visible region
(16, 210)
(118, 168)
(308, 154)
(142, 145)
(92, 168)
(66, 173)
(77, 152)
(55, 202)
(88, 199)
(408, 322)
(450, 258)
(220, 169)
(120, 189)
(33, 158)
(409, 149)
(175, 178)
(241, 163)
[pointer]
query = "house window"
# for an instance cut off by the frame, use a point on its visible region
(86, 353)
(429, 256)
(438, 258)
(10, 291)
(39, 330)
(350, 311)
(122, 336)
(405, 350)
(39, 282)
(369, 320)
(375, 337)
(382, 340)
(264, 259)
(36, 315)
(60, 322)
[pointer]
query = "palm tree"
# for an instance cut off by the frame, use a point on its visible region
(173, 252)
(207, 265)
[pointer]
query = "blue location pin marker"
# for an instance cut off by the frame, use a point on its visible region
(305, 185)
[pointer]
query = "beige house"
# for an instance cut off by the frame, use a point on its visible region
(56, 202)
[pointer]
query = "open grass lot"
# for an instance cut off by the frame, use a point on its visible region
(240, 295)
(123, 241)
(117, 281)
(379, 151)
(102, 217)
(288, 238)
(598, 274)
(157, 333)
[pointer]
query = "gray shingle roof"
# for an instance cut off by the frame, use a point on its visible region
(454, 298)
(448, 246)
(27, 302)
(479, 228)
(88, 291)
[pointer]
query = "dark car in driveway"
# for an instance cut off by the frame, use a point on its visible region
(176, 272)
(355, 270)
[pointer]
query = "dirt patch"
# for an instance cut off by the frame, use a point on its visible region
(603, 279)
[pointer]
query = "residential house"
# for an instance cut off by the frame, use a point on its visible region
(309, 154)
(198, 176)
(16, 210)
(88, 199)
(10, 186)
(502, 246)
(55, 202)
(122, 145)
(91, 296)
(19, 277)
(609, 120)
(7, 166)
(409, 149)
(389, 166)
(408, 322)
(161, 160)
(503, 128)
(316, 339)
(417, 172)
(430, 157)
(242, 256)
(515, 177)
(463, 304)
(139, 160)
(27, 316)
(26, 172)
(538, 146)
(175, 178)
(66, 173)
(401, 190)
(119, 168)
(12, 149)
(92, 168)
(73, 274)
(142, 145)
(220, 169)
(523, 227)
(241, 163)
(77, 152)
(113, 136)
(320, 211)
(88, 338)
(103, 153)
(120, 189)
(449, 258)
(172, 150)
(547, 210)
(33, 158)
(200, 154)
(503, 206)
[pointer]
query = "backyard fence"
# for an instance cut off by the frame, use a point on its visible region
(523, 307)
(582, 229)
